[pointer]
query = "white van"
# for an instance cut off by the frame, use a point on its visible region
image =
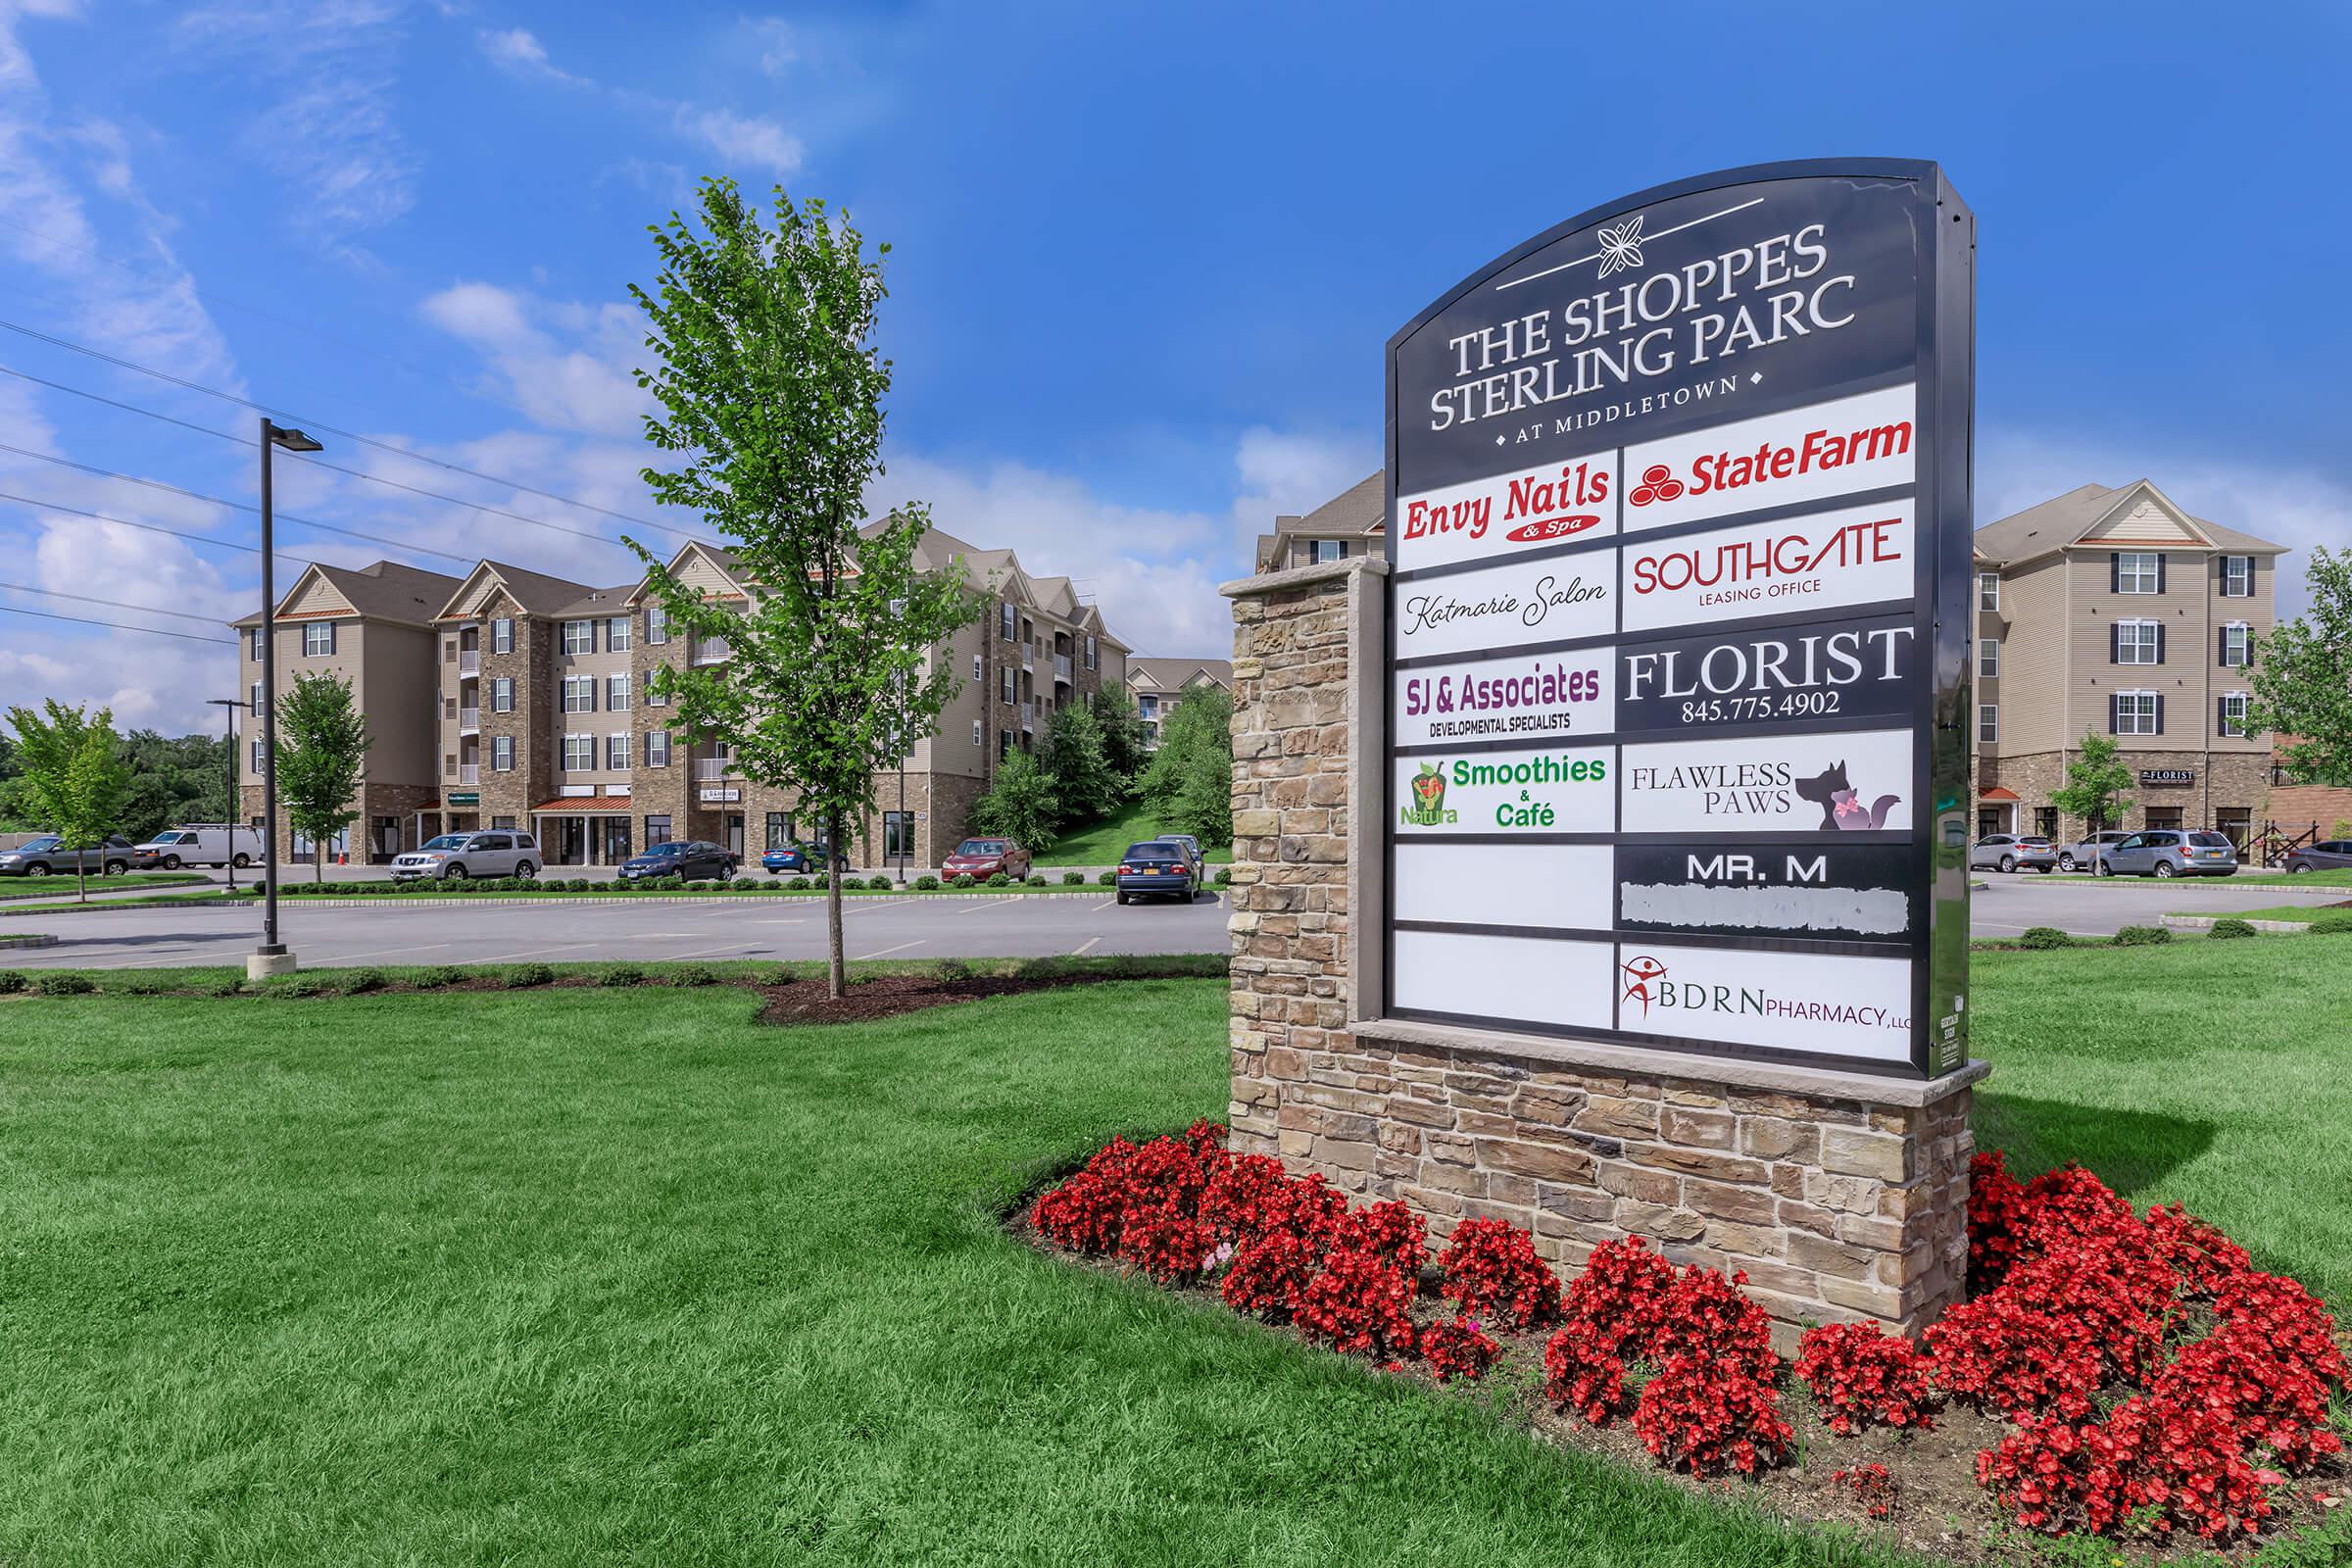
(198, 844)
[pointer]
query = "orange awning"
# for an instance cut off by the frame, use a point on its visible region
(584, 806)
(1996, 793)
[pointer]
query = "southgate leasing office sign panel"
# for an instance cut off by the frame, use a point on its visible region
(1678, 524)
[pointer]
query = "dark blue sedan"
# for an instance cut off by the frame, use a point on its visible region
(1156, 870)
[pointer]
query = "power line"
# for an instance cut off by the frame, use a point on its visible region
(144, 609)
(152, 527)
(320, 425)
(152, 631)
(238, 506)
(355, 474)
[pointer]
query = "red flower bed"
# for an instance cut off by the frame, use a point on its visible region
(2079, 1305)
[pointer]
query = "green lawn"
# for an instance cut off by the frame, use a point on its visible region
(2240, 879)
(2302, 914)
(1102, 841)
(32, 887)
(552, 1277)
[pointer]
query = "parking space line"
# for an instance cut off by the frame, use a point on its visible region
(378, 952)
(1082, 946)
(533, 952)
(1106, 904)
(885, 952)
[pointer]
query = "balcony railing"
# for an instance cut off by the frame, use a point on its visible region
(1028, 656)
(710, 769)
(1062, 668)
(711, 651)
(470, 720)
(469, 772)
(470, 661)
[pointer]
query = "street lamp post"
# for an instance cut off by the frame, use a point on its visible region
(228, 718)
(270, 956)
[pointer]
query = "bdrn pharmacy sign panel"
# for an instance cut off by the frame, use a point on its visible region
(1678, 524)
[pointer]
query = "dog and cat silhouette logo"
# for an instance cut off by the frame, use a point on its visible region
(1841, 803)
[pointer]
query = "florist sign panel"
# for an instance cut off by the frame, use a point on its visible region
(1679, 532)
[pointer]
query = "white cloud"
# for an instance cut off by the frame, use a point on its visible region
(2294, 507)
(745, 142)
(520, 51)
(779, 45)
(1290, 474)
(587, 388)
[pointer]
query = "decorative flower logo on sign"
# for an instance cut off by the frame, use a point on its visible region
(1621, 247)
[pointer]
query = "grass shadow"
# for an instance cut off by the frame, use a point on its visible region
(2132, 1151)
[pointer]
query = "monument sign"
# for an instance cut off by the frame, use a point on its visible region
(1678, 524)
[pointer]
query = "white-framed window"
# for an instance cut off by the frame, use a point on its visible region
(1005, 684)
(257, 754)
(616, 694)
(579, 753)
(1320, 551)
(977, 729)
(657, 627)
(252, 638)
(1004, 744)
(580, 694)
(2136, 713)
(2237, 576)
(1004, 620)
(1988, 590)
(2237, 645)
(617, 752)
(977, 673)
(253, 700)
(1989, 658)
(1989, 723)
(2233, 714)
(2138, 641)
(616, 634)
(579, 636)
(2139, 572)
(656, 748)
(502, 694)
(318, 639)
(1093, 656)
(502, 754)
(501, 635)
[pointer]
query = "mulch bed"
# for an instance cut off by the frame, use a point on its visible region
(890, 995)
(1939, 1512)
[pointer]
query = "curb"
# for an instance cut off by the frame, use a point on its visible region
(659, 901)
(2204, 922)
(29, 939)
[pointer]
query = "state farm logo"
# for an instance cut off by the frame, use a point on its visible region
(1658, 483)
(1642, 977)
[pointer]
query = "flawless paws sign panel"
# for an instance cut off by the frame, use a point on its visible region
(1679, 530)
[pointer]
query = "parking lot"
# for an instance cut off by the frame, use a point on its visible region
(918, 926)
(2007, 905)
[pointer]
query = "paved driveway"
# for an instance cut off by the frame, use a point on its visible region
(2007, 904)
(934, 926)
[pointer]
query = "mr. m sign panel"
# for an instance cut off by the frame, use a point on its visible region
(1678, 523)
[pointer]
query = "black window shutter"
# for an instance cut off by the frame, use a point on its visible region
(2114, 642)
(2253, 564)
(2160, 713)
(2160, 642)
(2221, 715)
(2222, 656)
(2115, 572)
(2115, 720)
(2160, 571)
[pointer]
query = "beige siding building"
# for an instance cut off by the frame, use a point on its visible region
(2113, 611)
(1349, 525)
(1160, 685)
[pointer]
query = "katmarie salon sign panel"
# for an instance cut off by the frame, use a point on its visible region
(1679, 526)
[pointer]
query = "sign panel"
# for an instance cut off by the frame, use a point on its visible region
(1679, 533)
(2168, 775)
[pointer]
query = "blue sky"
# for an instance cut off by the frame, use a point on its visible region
(1145, 259)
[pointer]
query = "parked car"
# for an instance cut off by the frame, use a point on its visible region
(457, 856)
(798, 858)
(2328, 854)
(206, 845)
(1157, 869)
(982, 859)
(47, 854)
(2083, 855)
(1192, 848)
(2170, 851)
(2008, 852)
(695, 859)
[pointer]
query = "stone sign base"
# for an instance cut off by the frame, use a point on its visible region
(1842, 1194)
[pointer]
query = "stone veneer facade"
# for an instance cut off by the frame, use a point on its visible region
(1843, 1197)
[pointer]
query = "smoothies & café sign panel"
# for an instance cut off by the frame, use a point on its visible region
(1678, 521)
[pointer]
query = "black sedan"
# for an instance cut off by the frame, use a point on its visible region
(695, 859)
(1157, 869)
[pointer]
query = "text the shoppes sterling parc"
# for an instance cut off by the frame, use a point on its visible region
(1679, 517)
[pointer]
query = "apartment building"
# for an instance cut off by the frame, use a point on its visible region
(2114, 611)
(513, 698)
(1351, 523)
(372, 626)
(1158, 685)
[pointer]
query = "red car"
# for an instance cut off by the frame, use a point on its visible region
(982, 859)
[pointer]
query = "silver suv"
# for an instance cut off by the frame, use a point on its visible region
(2082, 855)
(499, 852)
(47, 855)
(2170, 851)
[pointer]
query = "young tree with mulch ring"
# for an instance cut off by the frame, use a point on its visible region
(770, 391)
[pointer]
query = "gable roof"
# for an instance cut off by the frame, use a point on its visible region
(1356, 513)
(1175, 674)
(384, 590)
(535, 592)
(2093, 513)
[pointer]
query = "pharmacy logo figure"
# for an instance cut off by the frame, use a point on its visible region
(1639, 975)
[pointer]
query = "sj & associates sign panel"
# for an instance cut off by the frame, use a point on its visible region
(1679, 532)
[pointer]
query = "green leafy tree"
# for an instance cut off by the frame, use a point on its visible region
(1020, 805)
(1076, 760)
(1189, 782)
(321, 746)
(2302, 678)
(2096, 782)
(72, 779)
(175, 779)
(771, 392)
(1124, 746)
